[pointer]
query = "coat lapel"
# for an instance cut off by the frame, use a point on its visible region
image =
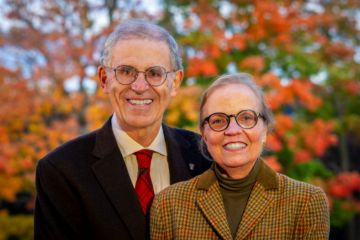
(177, 165)
(260, 201)
(111, 172)
(211, 204)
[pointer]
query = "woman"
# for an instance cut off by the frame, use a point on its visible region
(239, 197)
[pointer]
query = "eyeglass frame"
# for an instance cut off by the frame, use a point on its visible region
(137, 74)
(228, 117)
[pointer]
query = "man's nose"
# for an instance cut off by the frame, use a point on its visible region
(140, 84)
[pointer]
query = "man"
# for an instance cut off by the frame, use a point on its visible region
(95, 186)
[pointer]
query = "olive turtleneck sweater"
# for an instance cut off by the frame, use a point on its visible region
(235, 194)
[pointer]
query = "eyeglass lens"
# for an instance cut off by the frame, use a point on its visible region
(127, 74)
(220, 121)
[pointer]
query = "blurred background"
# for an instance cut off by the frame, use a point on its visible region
(305, 54)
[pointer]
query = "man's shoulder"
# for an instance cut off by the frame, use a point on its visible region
(184, 133)
(77, 148)
(180, 190)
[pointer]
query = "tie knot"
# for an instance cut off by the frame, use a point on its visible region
(144, 158)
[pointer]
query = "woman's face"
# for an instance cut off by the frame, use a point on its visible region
(235, 149)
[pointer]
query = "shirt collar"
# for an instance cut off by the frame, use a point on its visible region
(128, 146)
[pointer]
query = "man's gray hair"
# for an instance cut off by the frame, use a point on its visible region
(140, 29)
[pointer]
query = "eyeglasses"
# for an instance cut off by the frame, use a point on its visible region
(246, 119)
(126, 75)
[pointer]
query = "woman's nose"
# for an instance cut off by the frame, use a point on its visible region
(233, 127)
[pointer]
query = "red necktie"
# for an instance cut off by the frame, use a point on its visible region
(143, 187)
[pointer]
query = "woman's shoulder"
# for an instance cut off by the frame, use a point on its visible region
(293, 187)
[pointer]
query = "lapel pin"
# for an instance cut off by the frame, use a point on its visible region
(191, 166)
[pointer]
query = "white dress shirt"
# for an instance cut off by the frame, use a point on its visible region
(159, 168)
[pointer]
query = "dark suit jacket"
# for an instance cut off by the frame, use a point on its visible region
(84, 190)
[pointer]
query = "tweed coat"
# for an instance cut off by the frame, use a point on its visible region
(84, 190)
(278, 208)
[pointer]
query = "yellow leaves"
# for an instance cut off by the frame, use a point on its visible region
(9, 186)
(46, 108)
(183, 109)
(95, 116)
(172, 117)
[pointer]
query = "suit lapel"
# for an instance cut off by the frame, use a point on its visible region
(260, 201)
(177, 165)
(211, 205)
(111, 172)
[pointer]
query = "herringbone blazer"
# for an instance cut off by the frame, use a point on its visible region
(278, 208)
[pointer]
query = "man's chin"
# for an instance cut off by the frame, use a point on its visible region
(141, 122)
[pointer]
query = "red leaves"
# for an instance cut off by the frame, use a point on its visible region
(273, 163)
(204, 67)
(255, 63)
(344, 184)
(352, 87)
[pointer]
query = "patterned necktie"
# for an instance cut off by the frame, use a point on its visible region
(143, 186)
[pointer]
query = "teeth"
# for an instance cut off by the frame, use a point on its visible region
(140, 102)
(235, 146)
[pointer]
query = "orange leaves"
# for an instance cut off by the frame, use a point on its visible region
(305, 140)
(344, 184)
(273, 143)
(283, 124)
(270, 23)
(276, 95)
(279, 94)
(205, 67)
(318, 136)
(237, 41)
(303, 90)
(302, 156)
(273, 163)
(255, 63)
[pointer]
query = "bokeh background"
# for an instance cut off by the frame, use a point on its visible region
(304, 53)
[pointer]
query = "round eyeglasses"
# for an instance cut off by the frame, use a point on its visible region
(246, 119)
(126, 75)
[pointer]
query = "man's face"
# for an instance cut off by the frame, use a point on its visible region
(139, 105)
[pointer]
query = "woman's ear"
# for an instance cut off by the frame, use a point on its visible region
(263, 138)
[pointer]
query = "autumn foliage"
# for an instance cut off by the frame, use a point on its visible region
(304, 54)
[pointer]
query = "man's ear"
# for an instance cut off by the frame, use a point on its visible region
(103, 78)
(179, 75)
